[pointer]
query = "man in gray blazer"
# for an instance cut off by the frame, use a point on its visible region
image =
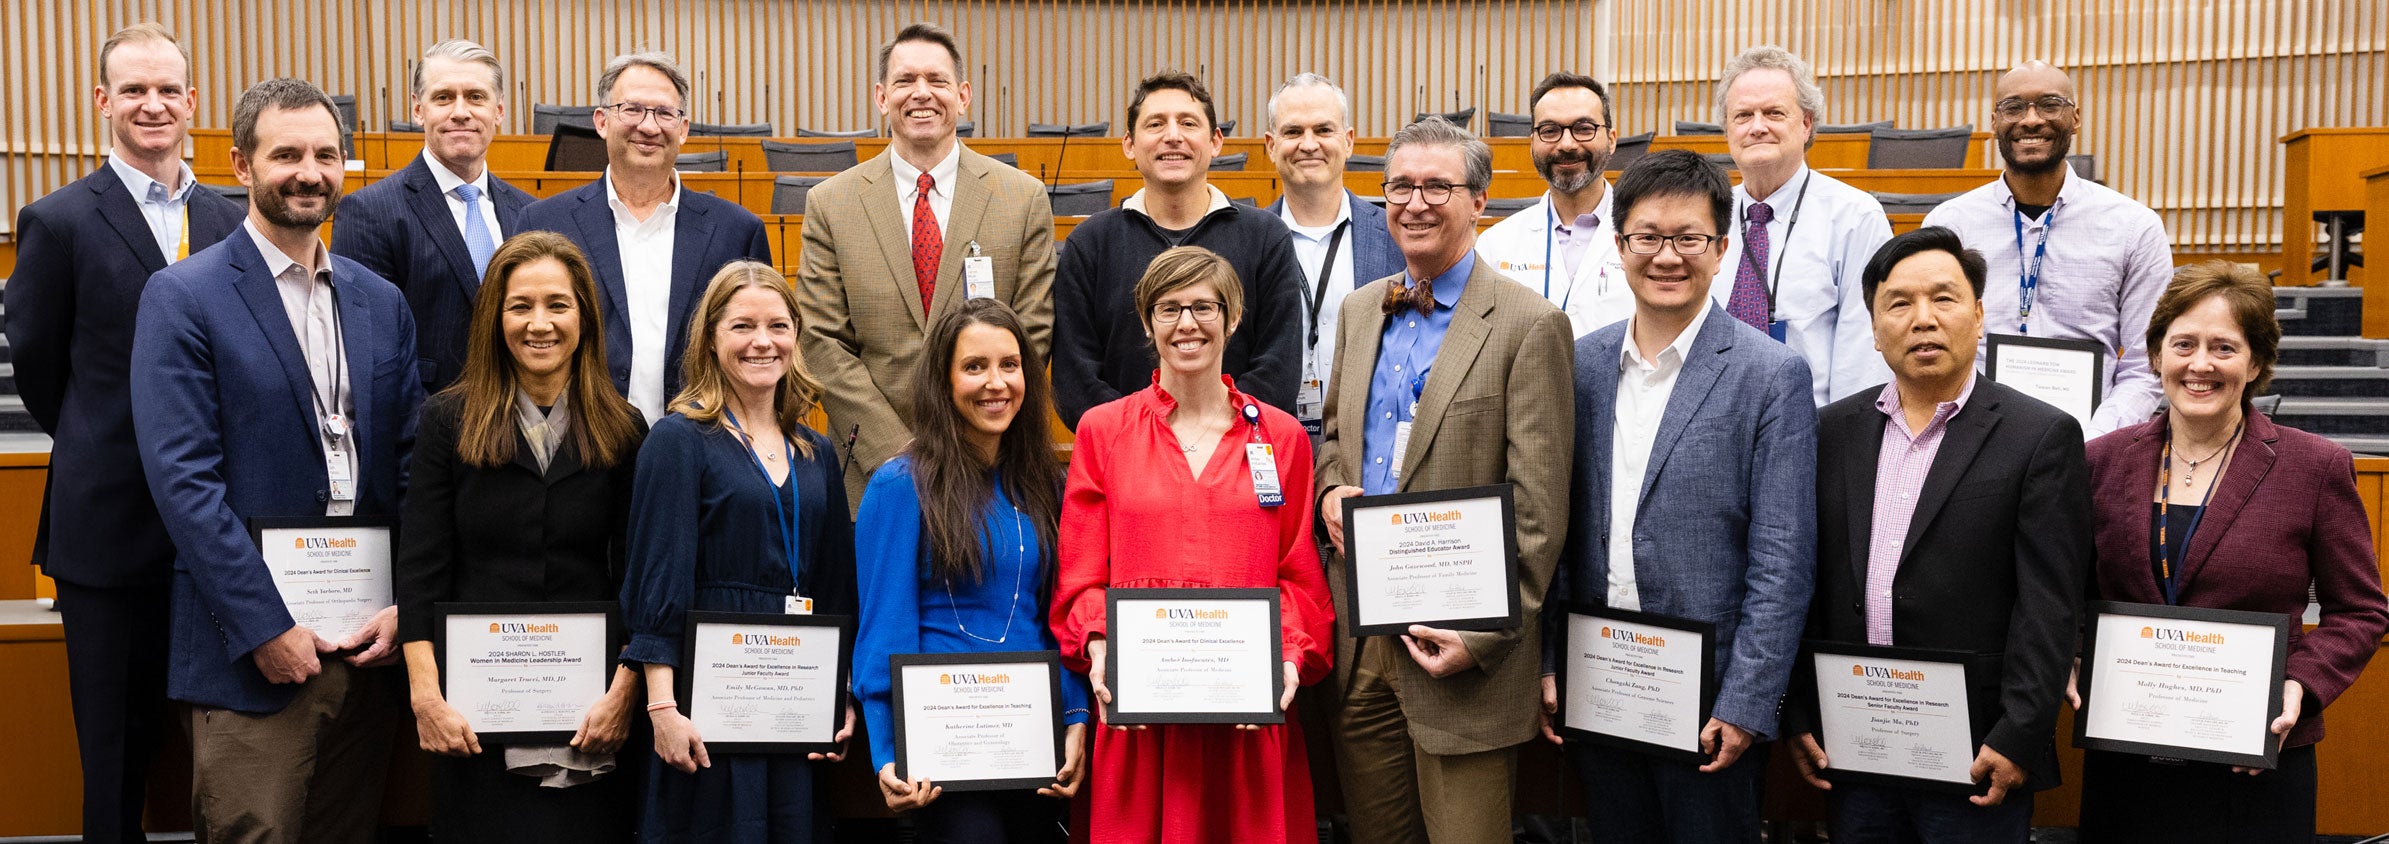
(1694, 498)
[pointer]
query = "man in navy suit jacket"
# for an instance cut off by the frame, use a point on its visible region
(422, 228)
(654, 246)
(271, 379)
(1695, 498)
(83, 254)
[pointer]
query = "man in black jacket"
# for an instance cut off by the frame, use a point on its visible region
(1100, 353)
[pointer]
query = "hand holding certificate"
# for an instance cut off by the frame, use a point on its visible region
(1896, 716)
(759, 683)
(333, 571)
(1446, 559)
(523, 673)
(1638, 681)
(1185, 656)
(2182, 682)
(977, 721)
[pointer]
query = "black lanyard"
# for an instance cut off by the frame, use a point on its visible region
(1335, 240)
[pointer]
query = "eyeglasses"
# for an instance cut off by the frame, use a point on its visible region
(1203, 311)
(2014, 107)
(1584, 130)
(1436, 193)
(634, 114)
(1645, 243)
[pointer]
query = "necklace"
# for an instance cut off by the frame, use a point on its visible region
(1020, 549)
(1191, 444)
(2194, 461)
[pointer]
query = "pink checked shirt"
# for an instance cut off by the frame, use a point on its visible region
(1899, 478)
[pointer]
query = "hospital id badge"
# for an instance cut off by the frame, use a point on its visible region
(1311, 399)
(1401, 445)
(344, 483)
(1778, 329)
(1262, 460)
(796, 605)
(978, 277)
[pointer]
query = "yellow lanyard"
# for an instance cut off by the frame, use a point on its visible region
(182, 249)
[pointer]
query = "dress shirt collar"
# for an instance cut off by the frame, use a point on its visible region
(1888, 402)
(1285, 213)
(1678, 350)
(1781, 201)
(1583, 222)
(1136, 201)
(1449, 283)
(1160, 404)
(141, 184)
(277, 263)
(941, 174)
(614, 200)
(449, 181)
(2072, 189)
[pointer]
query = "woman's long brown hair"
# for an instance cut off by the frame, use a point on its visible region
(954, 484)
(603, 424)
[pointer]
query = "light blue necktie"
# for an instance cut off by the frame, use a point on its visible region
(478, 242)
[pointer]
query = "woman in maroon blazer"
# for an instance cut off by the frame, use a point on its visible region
(2279, 511)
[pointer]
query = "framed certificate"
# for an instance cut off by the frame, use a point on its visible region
(333, 571)
(1446, 559)
(2181, 682)
(765, 683)
(2070, 375)
(978, 721)
(1895, 716)
(525, 672)
(1638, 681)
(1193, 656)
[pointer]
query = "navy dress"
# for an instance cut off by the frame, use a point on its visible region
(704, 536)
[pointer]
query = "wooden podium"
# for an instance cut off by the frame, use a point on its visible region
(2325, 167)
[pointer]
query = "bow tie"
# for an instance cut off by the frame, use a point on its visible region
(1420, 296)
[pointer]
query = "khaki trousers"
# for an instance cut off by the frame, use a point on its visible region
(310, 773)
(1397, 794)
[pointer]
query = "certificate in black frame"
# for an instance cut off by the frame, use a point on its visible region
(444, 610)
(2277, 622)
(1052, 660)
(1975, 726)
(1995, 342)
(1356, 549)
(683, 678)
(1706, 634)
(1111, 668)
(258, 525)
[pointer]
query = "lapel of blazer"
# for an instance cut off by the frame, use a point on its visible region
(969, 208)
(1360, 341)
(1462, 339)
(1596, 424)
(2136, 483)
(1967, 432)
(431, 209)
(1865, 449)
(887, 225)
(596, 221)
(511, 202)
(123, 214)
(1702, 367)
(358, 341)
(693, 233)
(2245, 471)
(256, 289)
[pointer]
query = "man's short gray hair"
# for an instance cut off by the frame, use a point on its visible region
(1309, 80)
(652, 60)
(1437, 132)
(1804, 80)
(461, 50)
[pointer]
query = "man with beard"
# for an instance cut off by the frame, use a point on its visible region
(273, 379)
(1564, 246)
(432, 227)
(83, 252)
(2101, 281)
(1801, 238)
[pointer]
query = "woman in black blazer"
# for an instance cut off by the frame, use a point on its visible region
(521, 484)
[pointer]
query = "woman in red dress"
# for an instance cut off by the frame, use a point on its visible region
(1160, 495)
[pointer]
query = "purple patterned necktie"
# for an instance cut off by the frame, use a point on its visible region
(1749, 302)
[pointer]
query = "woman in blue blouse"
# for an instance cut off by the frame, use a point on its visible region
(961, 559)
(735, 507)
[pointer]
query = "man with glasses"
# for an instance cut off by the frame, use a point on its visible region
(1340, 240)
(1801, 238)
(1562, 246)
(1099, 352)
(2100, 281)
(1694, 499)
(653, 245)
(1450, 376)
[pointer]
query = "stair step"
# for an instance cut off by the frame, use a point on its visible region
(2331, 351)
(2319, 311)
(2370, 446)
(2336, 415)
(2321, 381)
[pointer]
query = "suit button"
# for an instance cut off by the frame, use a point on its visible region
(322, 496)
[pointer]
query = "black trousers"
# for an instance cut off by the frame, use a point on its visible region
(2128, 798)
(116, 669)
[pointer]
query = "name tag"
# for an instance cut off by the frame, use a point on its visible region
(978, 277)
(1310, 401)
(796, 605)
(1401, 446)
(344, 482)
(1262, 460)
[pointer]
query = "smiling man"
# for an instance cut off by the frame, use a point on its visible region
(1099, 353)
(1562, 246)
(431, 228)
(901, 240)
(2100, 281)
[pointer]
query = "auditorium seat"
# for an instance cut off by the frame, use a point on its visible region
(1629, 148)
(803, 132)
(236, 193)
(1912, 203)
(1695, 127)
(1507, 207)
(1010, 159)
(1080, 199)
(544, 117)
(1721, 159)
(1463, 118)
(1851, 128)
(2085, 165)
(1231, 161)
(1506, 125)
(788, 193)
(406, 126)
(729, 130)
(712, 161)
(346, 105)
(1227, 127)
(1919, 149)
(966, 129)
(1062, 130)
(827, 157)
(572, 147)
(1365, 164)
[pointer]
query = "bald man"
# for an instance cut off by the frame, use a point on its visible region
(2099, 279)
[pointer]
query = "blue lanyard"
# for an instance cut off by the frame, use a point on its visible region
(2031, 281)
(1550, 233)
(784, 516)
(1418, 387)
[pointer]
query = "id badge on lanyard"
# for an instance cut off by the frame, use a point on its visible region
(1261, 460)
(1418, 385)
(336, 468)
(978, 274)
(1310, 400)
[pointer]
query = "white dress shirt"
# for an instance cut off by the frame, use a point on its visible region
(449, 182)
(941, 189)
(1526, 247)
(2100, 281)
(1310, 251)
(1817, 249)
(1643, 390)
(165, 209)
(646, 250)
(313, 305)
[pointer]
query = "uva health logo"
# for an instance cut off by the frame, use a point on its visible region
(1424, 518)
(766, 639)
(1166, 613)
(1877, 672)
(522, 627)
(2169, 634)
(307, 542)
(973, 679)
(1624, 635)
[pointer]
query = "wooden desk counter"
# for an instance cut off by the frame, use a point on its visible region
(2324, 174)
(2376, 212)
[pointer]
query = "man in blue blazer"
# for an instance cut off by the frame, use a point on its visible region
(271, 379)
(1694, 498)
(83, 254)
(1340, 240)
(654, 246)
(431, 228)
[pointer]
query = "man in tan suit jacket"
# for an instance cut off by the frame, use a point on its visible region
(1427, 725)
(864, 306)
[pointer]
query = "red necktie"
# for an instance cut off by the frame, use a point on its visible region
(927, 243)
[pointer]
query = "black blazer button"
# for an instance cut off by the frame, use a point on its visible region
(322, 496)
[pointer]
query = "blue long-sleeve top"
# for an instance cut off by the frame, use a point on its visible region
(907, 610)
(703, 535)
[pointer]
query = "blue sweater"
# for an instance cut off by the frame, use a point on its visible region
(904, 610)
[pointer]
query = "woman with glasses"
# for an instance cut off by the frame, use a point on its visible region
(1161, 493)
